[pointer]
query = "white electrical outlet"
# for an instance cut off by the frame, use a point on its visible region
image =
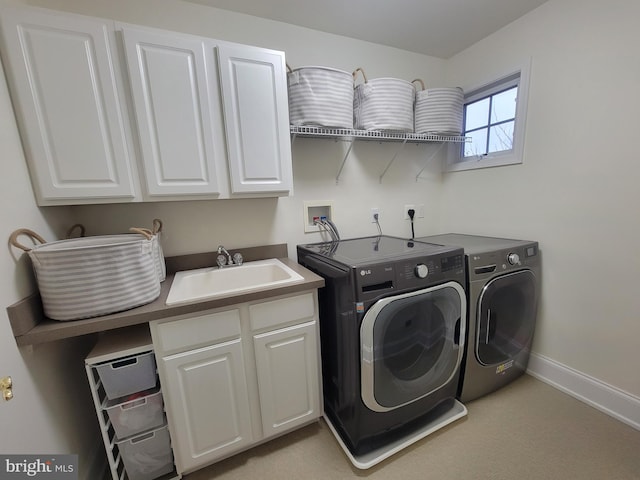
(375, 212)
(406, 210)
(420, 211)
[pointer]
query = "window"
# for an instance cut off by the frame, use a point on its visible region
(494, 118)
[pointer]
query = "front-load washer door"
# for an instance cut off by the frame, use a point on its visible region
(410, 345)
(506, 317)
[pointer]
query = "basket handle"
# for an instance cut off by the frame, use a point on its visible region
(418, 80)
(13, 238)
(355, 74)
(148, 234)
(157, 226)
(78, 226)
(288, 68)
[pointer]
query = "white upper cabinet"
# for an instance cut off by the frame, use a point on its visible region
(256, 112)
(64, 77)
(207, 119)
(177, 109)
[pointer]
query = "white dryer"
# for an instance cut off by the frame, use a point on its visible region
(503, 279)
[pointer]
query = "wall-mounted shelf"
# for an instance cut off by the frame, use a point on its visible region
(350, 135)
(347, 134)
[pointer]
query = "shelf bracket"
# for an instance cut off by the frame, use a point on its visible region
(344, 160)
(404, 142)
(293, 138)
(429, 160)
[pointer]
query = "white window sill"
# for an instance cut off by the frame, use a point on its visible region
(483, 161)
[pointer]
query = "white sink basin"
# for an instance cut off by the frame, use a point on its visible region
(212, 282)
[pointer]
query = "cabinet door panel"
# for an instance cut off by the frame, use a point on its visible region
(287, 365)
(207, 403)
(176, 104)
(256, 116)
(64, 76)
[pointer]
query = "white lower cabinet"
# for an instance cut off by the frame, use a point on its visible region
(237, 376)
(209, 402)
(287, 369)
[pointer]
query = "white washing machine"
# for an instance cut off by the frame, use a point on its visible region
(503, 279)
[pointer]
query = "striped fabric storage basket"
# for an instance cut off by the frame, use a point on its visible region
(383, 104)
(439, 110)
(92, 276)
(158, 255)
(153, 233)
(320, 96)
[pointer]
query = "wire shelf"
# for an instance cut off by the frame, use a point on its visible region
(350, 134)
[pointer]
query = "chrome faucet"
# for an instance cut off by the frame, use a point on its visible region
(225, 260)
(221, 252)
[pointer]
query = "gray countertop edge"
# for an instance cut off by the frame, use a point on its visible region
(47, 330)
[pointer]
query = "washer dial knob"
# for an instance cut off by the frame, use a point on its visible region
(421, 270)
(513, 259)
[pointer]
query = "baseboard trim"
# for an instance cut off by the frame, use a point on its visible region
(606, 398)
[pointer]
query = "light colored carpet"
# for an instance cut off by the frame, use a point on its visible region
(527, 430)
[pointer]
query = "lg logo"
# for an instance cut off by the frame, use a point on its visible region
(365, 272)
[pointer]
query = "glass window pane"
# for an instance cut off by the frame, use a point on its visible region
(477, 114)
(504, 105)
(478, 144)
(501, 137)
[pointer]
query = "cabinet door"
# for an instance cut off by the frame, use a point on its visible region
(177, 107)
(64, 75)
(206, 396)
(288, 377)
(256, 112)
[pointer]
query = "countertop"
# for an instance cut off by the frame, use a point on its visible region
(31, 327)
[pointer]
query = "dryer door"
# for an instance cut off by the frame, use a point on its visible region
(410, 345)
(506, 317)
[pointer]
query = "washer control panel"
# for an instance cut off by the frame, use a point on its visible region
(425, 271)
(409, 274)
(421, 270)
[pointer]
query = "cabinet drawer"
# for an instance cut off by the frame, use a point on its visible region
(178, 335)
(283, 311)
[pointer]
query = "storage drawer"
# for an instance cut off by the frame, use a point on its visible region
(135, 415)
(281, 312)
(179, 335)
(125, 376)
(147, 456)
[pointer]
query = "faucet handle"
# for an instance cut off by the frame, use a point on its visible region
(237, 258)
(221, 260)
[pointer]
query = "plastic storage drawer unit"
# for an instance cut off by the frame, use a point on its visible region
(136, 413)
(147, 456)
(128, 375)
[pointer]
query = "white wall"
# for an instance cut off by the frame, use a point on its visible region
(51, 409)
(577, 191)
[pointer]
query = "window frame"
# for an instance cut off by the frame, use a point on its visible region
(456, 160)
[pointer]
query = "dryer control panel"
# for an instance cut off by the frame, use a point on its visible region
(501, 261)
